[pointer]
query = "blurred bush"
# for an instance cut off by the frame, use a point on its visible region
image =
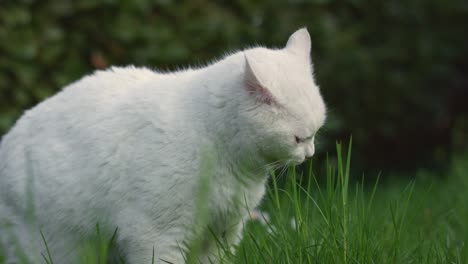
(393, 73)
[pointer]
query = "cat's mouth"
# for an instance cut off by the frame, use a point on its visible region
(298, 161)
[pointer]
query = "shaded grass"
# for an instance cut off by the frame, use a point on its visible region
(345, 221)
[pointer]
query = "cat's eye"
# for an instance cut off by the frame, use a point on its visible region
(300, 140)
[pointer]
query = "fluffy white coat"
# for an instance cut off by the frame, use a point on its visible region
(125, 148)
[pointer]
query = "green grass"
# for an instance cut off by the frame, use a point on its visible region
(421, 221)
(343, 220)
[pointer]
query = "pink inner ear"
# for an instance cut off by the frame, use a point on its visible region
(261, 93)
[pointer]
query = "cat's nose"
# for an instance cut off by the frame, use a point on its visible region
(310, 150)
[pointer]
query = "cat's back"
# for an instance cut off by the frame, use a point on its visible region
(93, 97)
(102, 127)
(100, 91)
(87, 119)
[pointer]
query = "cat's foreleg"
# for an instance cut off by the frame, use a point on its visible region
(234, 236)
(150, 249)
(229, 238)
(145, 242)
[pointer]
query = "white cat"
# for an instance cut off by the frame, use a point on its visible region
(125, 148)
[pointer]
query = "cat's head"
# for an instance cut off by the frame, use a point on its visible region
(284, 108)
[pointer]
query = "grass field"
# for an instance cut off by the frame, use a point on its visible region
(422, 221)
(419, 221)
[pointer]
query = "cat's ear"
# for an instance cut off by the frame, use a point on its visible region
(253, 85)
(299, 42)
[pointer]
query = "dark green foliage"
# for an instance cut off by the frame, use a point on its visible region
(392, 72)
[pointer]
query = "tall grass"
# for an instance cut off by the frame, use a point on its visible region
(346, 221)
(421, 221)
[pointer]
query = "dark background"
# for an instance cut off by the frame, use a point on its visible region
(394, 74)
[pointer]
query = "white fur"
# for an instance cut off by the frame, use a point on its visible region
(125, 147)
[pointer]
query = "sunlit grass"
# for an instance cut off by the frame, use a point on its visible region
(344, 220)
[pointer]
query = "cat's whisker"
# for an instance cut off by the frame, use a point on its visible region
(271, 166)
(283, 172)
